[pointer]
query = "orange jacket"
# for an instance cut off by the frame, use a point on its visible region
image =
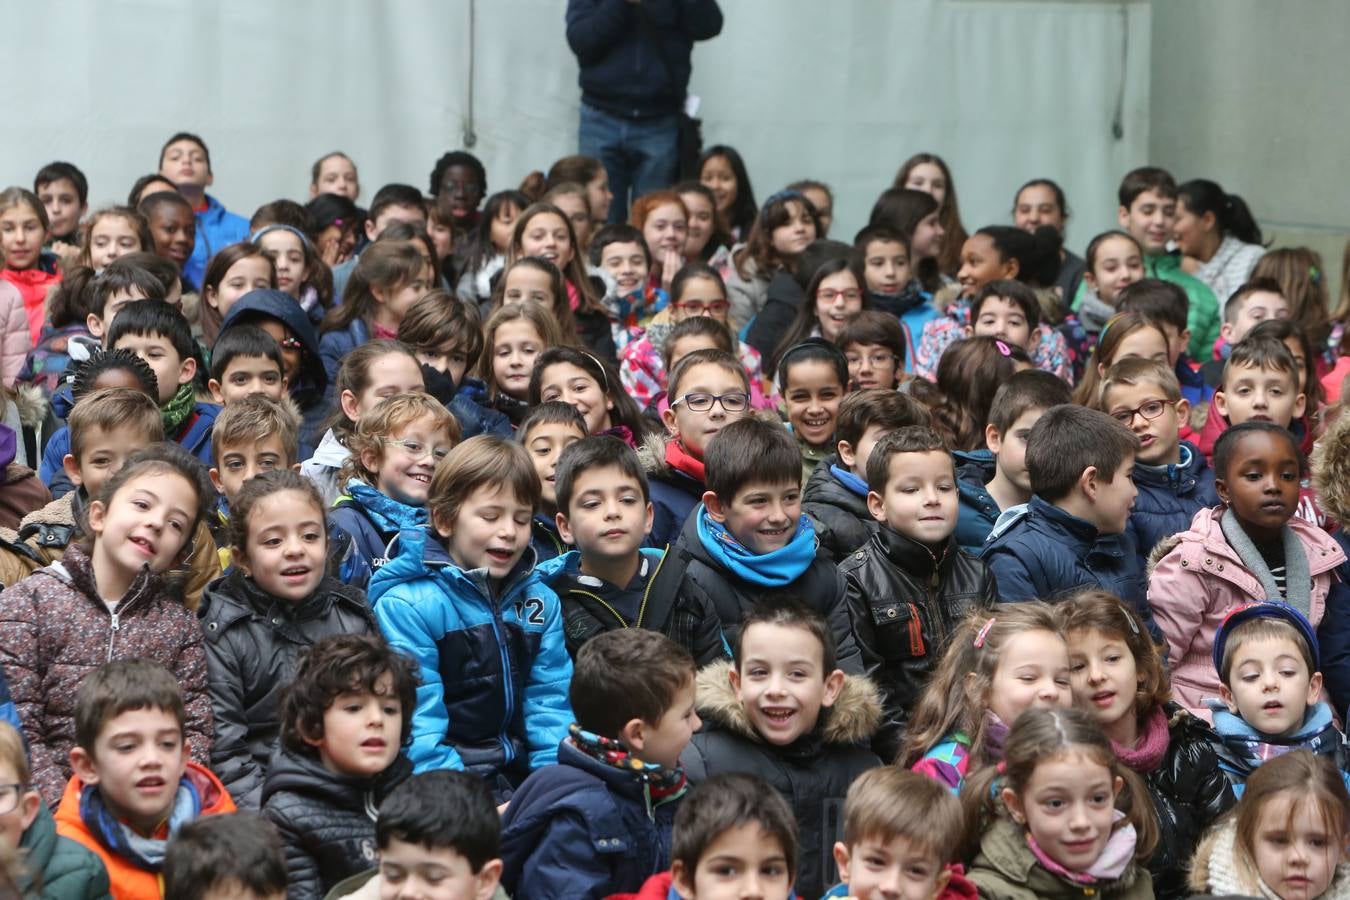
(128, 881)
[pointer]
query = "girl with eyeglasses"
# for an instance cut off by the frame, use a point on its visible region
(836, 293)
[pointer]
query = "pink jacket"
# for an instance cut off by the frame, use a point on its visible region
(1197, 577)
(15, 339)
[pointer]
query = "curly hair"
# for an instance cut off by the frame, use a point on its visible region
(337, 665)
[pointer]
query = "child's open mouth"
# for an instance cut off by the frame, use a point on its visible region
(499, 556)
(145, 547)
(295, 573)
(153, 784)
(421, 477)
(1103, 698)
(778, 716)
(374, 745)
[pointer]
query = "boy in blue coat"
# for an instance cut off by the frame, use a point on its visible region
(185, 161)
(463, 599)
(600, 822)
(1173, 480)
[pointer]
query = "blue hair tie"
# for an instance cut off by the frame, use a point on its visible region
(268, 229)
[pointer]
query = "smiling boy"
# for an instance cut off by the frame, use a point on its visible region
(185, 161)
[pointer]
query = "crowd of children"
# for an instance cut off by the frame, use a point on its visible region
(475, 547)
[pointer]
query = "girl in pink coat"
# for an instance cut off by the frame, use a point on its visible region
(1249, 548)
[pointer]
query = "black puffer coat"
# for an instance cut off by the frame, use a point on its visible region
(252, 643)
(906, 600)
(812, 773)
(326, 821)
(839, 516)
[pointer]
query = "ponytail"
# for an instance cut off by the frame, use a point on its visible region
(1231, 215)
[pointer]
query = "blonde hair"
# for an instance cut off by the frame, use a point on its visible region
(1134, 371)
(13, 751)
(114, 408)
(485, 460)
(386, 418)
(252, 419)
(890, 802)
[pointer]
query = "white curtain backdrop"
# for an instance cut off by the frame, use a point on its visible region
(839, 90)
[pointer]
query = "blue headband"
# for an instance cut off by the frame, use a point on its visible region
(268, 229)
(779, 198)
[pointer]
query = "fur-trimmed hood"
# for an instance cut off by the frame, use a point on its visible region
(854, 718)
(1215, 869)
(1331, 470)
(651, 453)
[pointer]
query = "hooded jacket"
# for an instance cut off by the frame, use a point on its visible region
(335, 345)
(253, 641)
(820, 588)
(322, 468)
(472, 409)
(372, 520)
(1006, 869)
(326, 821)
(906, 601)
(66, 869)
(55, 629)
(838, 514)
(583, 830)
(1215, 870)
(310, 387)
(1197, 576)
(493, 663)
(217, 227)
(978, 510)
(812, 773)
(1169, 497)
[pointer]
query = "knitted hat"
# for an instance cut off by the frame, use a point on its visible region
(1265, 609)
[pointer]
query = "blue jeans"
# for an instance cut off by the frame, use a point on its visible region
(640, 155)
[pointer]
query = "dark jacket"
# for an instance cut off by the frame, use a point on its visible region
(979, 510)
(674, 494)
(1169, 497)
(596, 334)
(820, 588)
(310, 387)
(67, 870)
(472, 409)
(1048, 554)
(634, 69)
(252, 643)
(766, 329)
(812, 773)
(583, 830)
(335, 345)
(1333, 632)
(545, 540)
(326, 821)
(839, 515)
(663, 607)
(906, 601)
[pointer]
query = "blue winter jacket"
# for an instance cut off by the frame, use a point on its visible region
(334, 345)
(494, 668)
(674, 496)
(1169, 497)
(470, 406)
(584, 829)
(1048, 554)
(372, 521)
(978, 510)
(217, 227)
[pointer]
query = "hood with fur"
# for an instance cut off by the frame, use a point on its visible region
(853, 719)
(1331, 470)
(651, 453)
(1216, 870)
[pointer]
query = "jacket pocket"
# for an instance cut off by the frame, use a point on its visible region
(899, 630)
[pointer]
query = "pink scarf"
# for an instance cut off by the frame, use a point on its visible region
(1116, 856)
(1149, 750)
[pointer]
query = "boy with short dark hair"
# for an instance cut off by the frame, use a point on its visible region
(835, 497)
(748, 545)
(546, 431)
(1251, 304)
(610, 581)
(344, 718)
(1172, 477)
(114, 288)
(1072, 533)
(1260, 383)
(891, 285)
(392, 203)
(64, 192)
(236, 857)
(447, 336)
(246, 360)
(599, 822)
(994, 481)
(621, 254)
(875, 346)
(185, 161)
(910, 585)
(134, 785)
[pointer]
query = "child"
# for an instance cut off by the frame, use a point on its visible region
(483, 252)
(618, 781)
(344, 719)
(1286, 837)
(64, 338)
(994, 480)
(1171, 475)
(1217, 235)
(394, 450)
(246, 361)
(390, 277)
(56, 620)
(513, 337)
(335, 173)
(1115, 260)
(747, 545)
(891, 286)
(1008, 310)
(1250, 305)
(1091, 838)
(1260, 383)
(786, 223)
(967, 378)
(620, 251)
(23, 230)
(901, 831)
(372, 372)
(273, 603)
(909, 584)
(609, 581)
(1118, 675)
(300, 271)
(835, 497)
(225, 856)
(544, 231)
(251, 436)
(709, 390)
(473, 595)
(577, 377)
(835, 294)
(1266, 552)
(548, 430)
(1124, 336)
(51, 861)
(185, 161)
(995, 668)
(876, 348)
(233, 272)
(64, 192)
(133, 785)
(1166, 305)
(813, 378)
(1081, 467)
(437, 833)
(172, 227)
(113, 232)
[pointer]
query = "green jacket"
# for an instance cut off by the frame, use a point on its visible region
(1204, 314)
(65, 869)
(1006, 869)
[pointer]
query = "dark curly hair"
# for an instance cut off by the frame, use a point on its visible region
(457, 158)
(86, 374)
(337, 665)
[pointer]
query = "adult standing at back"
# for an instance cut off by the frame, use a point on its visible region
(634, 58)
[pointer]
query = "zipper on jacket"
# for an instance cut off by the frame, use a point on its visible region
(112, 633)
(915, 631)
(508, 691)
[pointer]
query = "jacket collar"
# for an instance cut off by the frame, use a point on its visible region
(1181, 474)
(388, 515)
(76, 569)
(913, 556)
(1061, 519)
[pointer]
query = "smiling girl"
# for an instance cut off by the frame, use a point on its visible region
(389, 279)
(513, 337)
(576, 377)
(23, 230)
(836, 294)
(813, 378)
(784, 227)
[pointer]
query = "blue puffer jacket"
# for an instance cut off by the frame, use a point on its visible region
(494, 668)
(470, 406)
(372, 521)
(978, 510)
(1048, 554)
(582, 829)
(335, 345)
(217, 227)
(1169, 497)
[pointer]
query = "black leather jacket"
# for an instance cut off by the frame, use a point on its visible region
(906, 600)
(839, 516)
